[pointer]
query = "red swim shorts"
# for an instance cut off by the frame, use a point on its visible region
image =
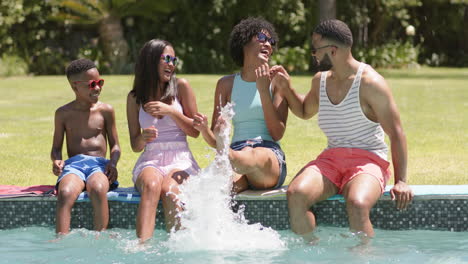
(341, 165)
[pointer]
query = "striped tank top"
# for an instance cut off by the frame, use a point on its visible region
(345, 125)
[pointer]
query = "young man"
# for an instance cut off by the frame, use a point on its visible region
(88, 124)
(355, 107)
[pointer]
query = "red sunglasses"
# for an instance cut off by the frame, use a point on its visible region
(92, 83)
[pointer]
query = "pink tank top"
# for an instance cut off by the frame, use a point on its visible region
(167, 128)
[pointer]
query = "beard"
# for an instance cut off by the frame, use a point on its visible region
(324, 65)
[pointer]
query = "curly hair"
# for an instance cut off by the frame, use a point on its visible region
(335, 30)
(146, 80)
(243, 32)
(78, 66)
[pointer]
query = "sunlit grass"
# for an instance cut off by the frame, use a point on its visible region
(433, 103)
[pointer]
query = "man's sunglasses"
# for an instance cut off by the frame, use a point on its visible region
(168, 58)
(262, 38)
(92, 83)
(314, 50)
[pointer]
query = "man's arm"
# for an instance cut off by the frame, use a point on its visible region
(112, 137)
(303, 106)
(379, 97)
(57, 143)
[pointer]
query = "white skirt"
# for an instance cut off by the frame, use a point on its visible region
(166, 157)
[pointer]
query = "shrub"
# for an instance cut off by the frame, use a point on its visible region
(391, 55)
(11, 65)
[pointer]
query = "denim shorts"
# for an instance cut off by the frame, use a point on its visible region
(84, 166)
(258, 142)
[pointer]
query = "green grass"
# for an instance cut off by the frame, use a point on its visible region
(433, 103)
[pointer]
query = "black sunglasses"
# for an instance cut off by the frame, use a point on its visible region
(262, 38)
(314, 50)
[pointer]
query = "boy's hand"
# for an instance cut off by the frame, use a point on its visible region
(149, 134)
(57, 167)
(158, 109)
(200, 122)
(111, 172)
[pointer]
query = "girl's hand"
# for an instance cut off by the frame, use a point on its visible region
(200, 122)
(158, 109)
(263, 76)
(149, 134)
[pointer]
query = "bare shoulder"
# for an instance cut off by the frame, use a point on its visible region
(63, 110)
(373, 83)
(183, 86)
(106, 110)
(315, 86)
(105, 107)
(182, 83)
(225, 83)
(224, 88)
(316, 78)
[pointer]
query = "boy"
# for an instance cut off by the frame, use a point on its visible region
(88, 124)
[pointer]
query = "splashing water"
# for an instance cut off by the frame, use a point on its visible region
(208, 221)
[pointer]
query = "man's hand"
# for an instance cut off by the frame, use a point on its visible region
(57, 167)
(281, 75)
(403, 195)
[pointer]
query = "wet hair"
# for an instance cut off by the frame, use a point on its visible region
(145, 84)
(243, 32)
(335, 30)
(79, 66)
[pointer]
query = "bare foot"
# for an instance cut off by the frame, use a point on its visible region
(311, 239)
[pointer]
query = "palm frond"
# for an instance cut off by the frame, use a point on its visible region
(72, 19)
(82, 8)
(145, 8)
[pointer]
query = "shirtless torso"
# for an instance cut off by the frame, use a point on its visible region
(85, 129)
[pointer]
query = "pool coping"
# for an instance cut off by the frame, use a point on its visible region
(435, 207)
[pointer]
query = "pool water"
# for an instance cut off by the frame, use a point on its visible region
(335, 245)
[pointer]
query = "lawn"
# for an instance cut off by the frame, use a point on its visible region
(433, 103)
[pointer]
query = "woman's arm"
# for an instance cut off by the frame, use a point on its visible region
(275, 110)
(221, 98)
(136, 138)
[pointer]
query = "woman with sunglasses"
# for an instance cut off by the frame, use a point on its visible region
(260, 111)
(160, 108)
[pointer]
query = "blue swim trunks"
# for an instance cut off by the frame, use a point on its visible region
(85, 166)
(258, 142)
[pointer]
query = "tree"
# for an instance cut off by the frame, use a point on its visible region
(106, 16)
(327, 9)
